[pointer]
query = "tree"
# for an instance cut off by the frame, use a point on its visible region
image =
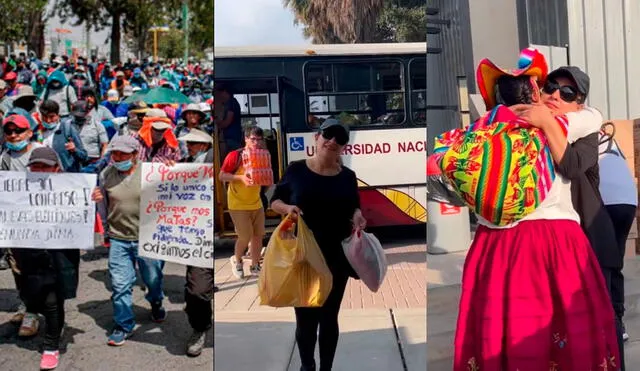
(137, 24)
(201, 25)
(98, 14)
(344, 21)
(201, 29)
(402, 21)
(24, 21)
(36, 18)
(171, 44)
(131, 16)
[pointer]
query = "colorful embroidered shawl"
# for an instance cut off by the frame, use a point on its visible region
(500, 166)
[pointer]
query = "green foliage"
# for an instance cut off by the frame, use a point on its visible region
(402, 23)
(395, 21)
(17, 17)
(137, 16)
(171, 44)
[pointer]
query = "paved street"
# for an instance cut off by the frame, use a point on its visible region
(444, 274)
(153, 346)
(382, 331)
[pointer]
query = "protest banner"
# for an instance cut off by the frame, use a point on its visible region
(47, 210)
(176, 213)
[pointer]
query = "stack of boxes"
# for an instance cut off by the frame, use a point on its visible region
(257, 164)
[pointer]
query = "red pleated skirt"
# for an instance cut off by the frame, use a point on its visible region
(534, 299)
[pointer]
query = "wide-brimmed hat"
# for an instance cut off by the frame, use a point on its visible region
(193, 107)
(531, 63)
(156, 112)
(196, 136)
(139, 107)
(25, 92)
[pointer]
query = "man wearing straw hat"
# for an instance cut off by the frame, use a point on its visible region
(199, 288)
(193, 118)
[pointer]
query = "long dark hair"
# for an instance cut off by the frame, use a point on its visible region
(512, 90)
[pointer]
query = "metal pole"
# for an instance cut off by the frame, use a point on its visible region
(185, 27)
(88, 41)
(155, 45)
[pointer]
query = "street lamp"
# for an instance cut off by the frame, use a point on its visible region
(155, 31)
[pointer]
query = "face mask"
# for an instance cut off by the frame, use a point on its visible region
(123, 165)
(50, 126)
(55, 85)
(17, 147)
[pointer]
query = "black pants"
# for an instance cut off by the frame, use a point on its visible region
(622, 217)
(198, 294)
(322, 320)
(51, 306)
(608, 273)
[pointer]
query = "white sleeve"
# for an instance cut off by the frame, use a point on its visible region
(582, 123)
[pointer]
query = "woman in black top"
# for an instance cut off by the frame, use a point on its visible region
(326, 194)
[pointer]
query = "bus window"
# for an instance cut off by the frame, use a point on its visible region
(319, 78)
(418, 82)
(366, 93)
(351, 77)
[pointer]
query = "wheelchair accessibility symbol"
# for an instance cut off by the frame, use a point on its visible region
(296, 144)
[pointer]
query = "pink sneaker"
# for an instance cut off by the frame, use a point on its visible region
(49, 360)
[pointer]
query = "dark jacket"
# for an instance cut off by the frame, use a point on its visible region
(42, 268)
(71, 161)
(580, 165)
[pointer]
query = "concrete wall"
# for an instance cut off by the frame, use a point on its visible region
(444, 68)
(603, 40)
(494, 30)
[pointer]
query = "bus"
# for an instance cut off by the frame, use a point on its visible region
(378, 90)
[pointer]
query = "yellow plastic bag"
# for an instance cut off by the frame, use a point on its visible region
(294, 273)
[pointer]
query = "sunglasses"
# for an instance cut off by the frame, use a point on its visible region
(568, 93)
(16, 131)
(335, 132)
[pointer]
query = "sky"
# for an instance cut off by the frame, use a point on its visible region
(255, 22)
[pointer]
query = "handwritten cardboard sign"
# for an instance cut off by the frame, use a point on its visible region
(176, 213)
(47, 210)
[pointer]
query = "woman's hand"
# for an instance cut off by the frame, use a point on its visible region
(293, 211)
(359, 222)
(537, 115)
(96, 195)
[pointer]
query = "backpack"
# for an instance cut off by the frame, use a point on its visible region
(66, 128)
(66, 87)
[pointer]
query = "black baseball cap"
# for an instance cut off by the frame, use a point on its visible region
(328, 123)
(79, 109)
(580, 78)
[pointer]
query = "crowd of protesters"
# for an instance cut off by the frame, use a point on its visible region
(73, 116)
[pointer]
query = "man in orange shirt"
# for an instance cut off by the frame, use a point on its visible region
(245, 205)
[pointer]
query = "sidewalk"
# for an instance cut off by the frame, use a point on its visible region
(444, 274)
(381, 331)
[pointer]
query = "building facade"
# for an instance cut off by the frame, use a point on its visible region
(595, 35)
